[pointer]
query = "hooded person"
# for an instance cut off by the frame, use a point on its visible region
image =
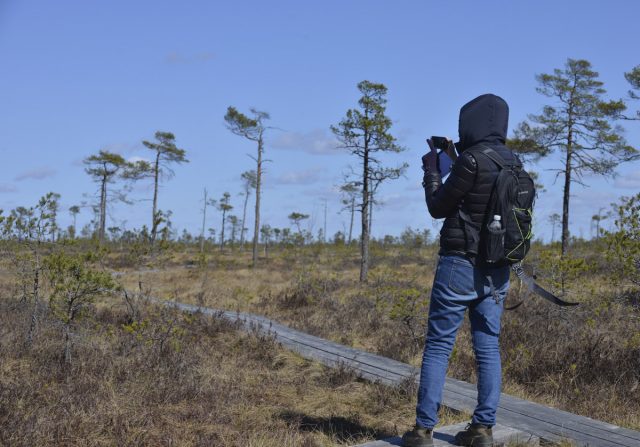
(462, 280)
(464, 197)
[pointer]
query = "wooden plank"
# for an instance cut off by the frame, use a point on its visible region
(542, 421)
(550, 423)
(559, 424)
(444, 437)
(344, 351)
(389, 371)
(539, 410)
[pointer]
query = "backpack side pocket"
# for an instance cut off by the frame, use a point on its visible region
(494, 244)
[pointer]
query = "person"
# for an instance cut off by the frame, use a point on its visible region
(462, 281)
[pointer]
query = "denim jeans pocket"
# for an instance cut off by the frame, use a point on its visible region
(461, 279)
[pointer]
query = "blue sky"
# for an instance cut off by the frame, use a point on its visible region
(80, 76)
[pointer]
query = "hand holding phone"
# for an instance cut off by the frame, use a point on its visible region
(447, 154)
(430, 159)
(445, 145)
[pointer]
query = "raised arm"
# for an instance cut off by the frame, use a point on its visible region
(443, 199)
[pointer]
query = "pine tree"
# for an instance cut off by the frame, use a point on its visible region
(365, 132)
(224, 205)
(248, 183)
(165, 153)
(105, 168)
(580, 125)
(252, 129)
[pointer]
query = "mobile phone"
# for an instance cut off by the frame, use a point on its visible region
(440, 143)
(445, 163)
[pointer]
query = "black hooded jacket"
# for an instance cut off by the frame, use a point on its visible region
(483, 123)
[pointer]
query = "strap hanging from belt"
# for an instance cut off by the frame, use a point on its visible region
(535, 288)
(494, 292)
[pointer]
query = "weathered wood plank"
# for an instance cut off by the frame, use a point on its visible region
(344, 351)
(542, 421)
(569, 421)
(444, 437)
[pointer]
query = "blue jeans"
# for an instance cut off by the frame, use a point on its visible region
(459, 286)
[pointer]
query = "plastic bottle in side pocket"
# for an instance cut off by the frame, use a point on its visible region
(495, 242)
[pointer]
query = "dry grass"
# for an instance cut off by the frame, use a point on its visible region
(174, 379)
(181, 380)
(584, 360)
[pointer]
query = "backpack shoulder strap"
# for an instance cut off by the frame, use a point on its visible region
(494, 156)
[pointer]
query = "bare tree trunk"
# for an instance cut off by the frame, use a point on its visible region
(371, 200)
(224, 215)
(256, 226)
(353, 211)
(154, 217)
(364, 241)
(103, 209)
(204, 220)
(565, 209)
(244, 217)
(565, 197)
(33, 324)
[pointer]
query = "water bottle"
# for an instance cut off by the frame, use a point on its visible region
(495, 240)
(495, 224)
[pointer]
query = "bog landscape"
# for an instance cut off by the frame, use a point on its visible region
(94, 352)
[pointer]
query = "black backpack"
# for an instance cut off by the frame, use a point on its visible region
(512, 198)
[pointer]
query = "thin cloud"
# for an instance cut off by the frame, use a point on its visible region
(323, 192)
(7, 188)
(123, 148)
(317, 142)
(397, 202)
(589, 202)
(403, 133)
(306, 177)
(36, 174)
(414, 186)
(629, 181)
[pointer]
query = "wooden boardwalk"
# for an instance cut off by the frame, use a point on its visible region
(549, 424)
(444, 437)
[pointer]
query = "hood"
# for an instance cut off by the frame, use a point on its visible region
(483, 120)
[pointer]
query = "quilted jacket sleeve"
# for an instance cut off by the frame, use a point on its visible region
(443, 199)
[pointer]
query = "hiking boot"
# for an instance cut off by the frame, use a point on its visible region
(418, 437)
(475, 435)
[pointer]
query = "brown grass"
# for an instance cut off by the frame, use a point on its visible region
(174, 379)
(584, 360)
